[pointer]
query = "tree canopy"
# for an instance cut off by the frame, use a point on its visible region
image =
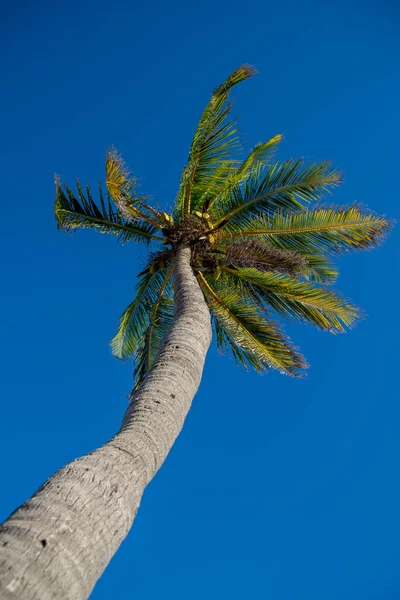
(262, 242)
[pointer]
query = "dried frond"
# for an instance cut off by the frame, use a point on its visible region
(244, 252)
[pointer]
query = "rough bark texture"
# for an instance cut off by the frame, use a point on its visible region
(57, 544)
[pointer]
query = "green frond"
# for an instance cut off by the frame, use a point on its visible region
(287, 186)
(137, 317)
(304, 301)
(219, 95)
(213, 143)
(258, 158)
(244, 329)
(160, 321)
(83, 212)
(322, 230)
(260, 154)
(320, 269)
(227, 345)
(214, 185)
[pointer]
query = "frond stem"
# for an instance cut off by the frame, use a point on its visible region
(147, 218)
(188, 191)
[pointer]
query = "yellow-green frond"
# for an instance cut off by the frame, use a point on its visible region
(285, 186)
(250, 335)
(160, 320)
(138, 316)
(293, 298)
(214, 141)
(259, 157)
(122, 188)
(322, 230)
(220, 93)
(118, 180)
(320, 269)
(261, 153)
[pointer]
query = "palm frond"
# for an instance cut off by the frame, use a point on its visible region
(320, 269)
(245, 330)
(213, 143)
(123, 189)
(322, 230)
(260, 154)
(82, 212)
(243, 252)
(119, 181)
(258, 158)
(287, 186)
(136, 319)
(214, 185)
(293, 298)
(160, 320)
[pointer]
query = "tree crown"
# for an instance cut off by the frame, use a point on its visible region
(261, 242)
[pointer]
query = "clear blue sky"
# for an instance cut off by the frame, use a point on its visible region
(277, 488)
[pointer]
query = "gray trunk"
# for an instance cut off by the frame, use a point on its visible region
(57, 544)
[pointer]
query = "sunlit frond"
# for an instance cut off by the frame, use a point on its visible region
(123, 189)
(322, 230)
(82, 212)
(259, 157)
(320, 269)
(118, 179)
(213, 143)
(137, 317)
(287, 186)
(160, 320)
(247, 332)
(293, 298)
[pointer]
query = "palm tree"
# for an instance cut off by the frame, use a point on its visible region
(244, 240)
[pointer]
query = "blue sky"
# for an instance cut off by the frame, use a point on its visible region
(276, 488)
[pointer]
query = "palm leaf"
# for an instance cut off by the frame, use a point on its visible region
(259, 157)
(322, 230)
(293, 298)
(122, 188)
(320, 269)
(250, 336)
(118, 179)
(285, 186)
(213, 143)
(83, 212)
(136, 319)
(160, 320)
(247, 252)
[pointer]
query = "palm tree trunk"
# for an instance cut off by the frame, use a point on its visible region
(57, 544)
